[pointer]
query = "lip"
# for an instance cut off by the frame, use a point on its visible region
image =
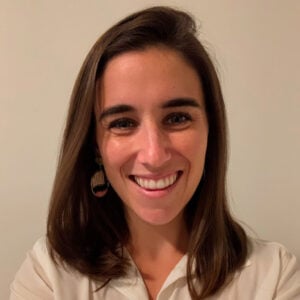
(156, 184)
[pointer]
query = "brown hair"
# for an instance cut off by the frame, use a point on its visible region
(89, 234)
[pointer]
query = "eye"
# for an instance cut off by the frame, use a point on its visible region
(177, 119)
(122, 124)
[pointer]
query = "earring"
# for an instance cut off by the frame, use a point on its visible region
(99, 183)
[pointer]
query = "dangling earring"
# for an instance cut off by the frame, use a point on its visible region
(99, 183)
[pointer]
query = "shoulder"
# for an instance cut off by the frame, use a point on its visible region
(271, 272)
(259, 247)
(270, 254)
(39, 277)
(32, 281)
(39, 251)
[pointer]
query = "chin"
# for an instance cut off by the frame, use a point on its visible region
(156, 217)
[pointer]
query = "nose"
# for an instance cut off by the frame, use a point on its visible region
(154, 147)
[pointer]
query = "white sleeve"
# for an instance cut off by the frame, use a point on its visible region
(31, 281)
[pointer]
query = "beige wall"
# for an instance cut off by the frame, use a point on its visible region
(257, 47)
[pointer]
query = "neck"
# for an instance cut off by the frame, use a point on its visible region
(156, 241)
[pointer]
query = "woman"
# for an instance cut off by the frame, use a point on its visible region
(139, 208)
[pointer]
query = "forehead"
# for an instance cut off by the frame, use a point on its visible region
(154, 73)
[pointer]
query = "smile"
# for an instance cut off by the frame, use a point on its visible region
(159, 184)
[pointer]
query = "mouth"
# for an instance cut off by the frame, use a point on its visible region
(156, 184)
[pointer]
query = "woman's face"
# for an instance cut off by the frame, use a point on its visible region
(152, 132)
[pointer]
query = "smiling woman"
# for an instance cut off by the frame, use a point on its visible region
(138, 208)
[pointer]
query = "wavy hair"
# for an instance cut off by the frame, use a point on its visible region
(89, 234)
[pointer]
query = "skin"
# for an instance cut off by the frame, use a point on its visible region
(152, 125)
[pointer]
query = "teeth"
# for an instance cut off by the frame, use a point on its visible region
(160, 184)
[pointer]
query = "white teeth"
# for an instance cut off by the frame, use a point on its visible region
(160, 184)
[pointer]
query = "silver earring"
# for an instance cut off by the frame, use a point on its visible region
(99, 183)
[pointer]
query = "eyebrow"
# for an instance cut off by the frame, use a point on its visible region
(177, 102)
(117, 109)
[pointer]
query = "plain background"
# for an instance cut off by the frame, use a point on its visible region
(256, 48)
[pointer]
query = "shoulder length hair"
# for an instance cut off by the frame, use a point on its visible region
(89, 233)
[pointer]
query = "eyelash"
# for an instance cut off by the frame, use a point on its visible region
(176, 120)
(122, 124)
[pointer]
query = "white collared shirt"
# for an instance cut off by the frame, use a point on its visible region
(270, 272)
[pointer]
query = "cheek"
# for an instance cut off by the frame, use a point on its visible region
(106, 145)
(113, 153)
(196, 153)
(192, 146)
